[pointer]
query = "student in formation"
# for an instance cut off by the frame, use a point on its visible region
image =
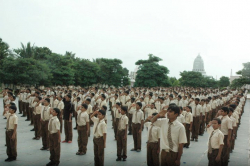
(121, 135)
(173, 135)
(82, 129)
(11, 135)
(37, 117)
(189, 123)
(197, 116)
(153, 144)
(215, 143)
(54, 138)
(67, 117)
(99, 139)
(137, 123)
(89, 111)
(45, 116)
(60, 106)
(117, 116)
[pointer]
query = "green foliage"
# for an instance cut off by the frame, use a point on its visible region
(151, 74)
(195, 79)
(245, 76)
(224, 81)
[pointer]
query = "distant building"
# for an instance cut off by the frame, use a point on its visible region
(198, 65)
(132, 76)
(233, 77)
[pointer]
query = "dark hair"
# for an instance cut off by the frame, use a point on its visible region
(102, 112)
(56, 110)
(231, 109)
(189, 107)
(197, 99)
(69, 96)
(103, 96)
(139, 103)
(118, 103)
(14, 97)
(232, 106)
(154, 114)
(88, 99)
(104, 107)
(85, 106)
(78, 98)
(47, 99)
(13, 107)
(125, 109)
(37, 92)
(218, 120)
(175, 109)
(225, 109)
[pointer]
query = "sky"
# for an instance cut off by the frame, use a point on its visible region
(176, 31)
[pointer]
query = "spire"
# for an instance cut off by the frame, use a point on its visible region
(231, 73)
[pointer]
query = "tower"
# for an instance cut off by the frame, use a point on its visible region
(198, 65)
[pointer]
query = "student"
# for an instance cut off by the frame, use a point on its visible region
(82, 129)
(173, 135)
(215, 143)
(100, 133)
(54, 138)
(130, 115)
(189, 123)
(181, 118)
(60, 106)
(121, 135)
(137, 123)
(197, 115)
(153, 144)
(45, 117)
(67, 117)
(117, 116)
(231, 110)
(90, 112)
(11, 136)
(37, 117)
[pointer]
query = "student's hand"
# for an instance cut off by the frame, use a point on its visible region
(70, 120)
(139, 131)
(59, 140)
(105, 145)
(190, 129)
(150, 117)
(177, 162)
(13, 136)
(218, 158)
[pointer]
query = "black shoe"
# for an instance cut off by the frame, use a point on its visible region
(118, 159)
(5, 118)
(196, 140)
(13, 158)
(8, 159)
(50, 163)
(32, 130)
(43, 148)
(192, 139)
(75, 128)
(123, 159)
(27, 120)
(20, 113)
(23, 116)
(129, 133)
(187, 146)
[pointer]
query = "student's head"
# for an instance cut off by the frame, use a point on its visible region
(84, 107)
(37, 93)
(46, 102)
(118, 105)
(224, 111)
(78, 99)
(197, 100)
(188, 108)
(202, 101)
(103, 97)
(138, 105)
(88, 101)
(173, 112)
(232, 106)
(12, 98)
(216, 122)
(104, 108)
(132, 99)
(55, 111)
(231, 111)
(12, 109)
(152, 106)
(101, 114)
(123, 110)
(68, 97)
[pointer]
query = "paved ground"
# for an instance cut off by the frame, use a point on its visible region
(30, 155)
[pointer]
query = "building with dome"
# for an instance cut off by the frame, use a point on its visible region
(132, 76)
(198, 65)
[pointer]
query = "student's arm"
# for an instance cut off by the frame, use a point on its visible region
(125, 135)
(104, 139)
(229, 137)
(218, 158)
(59, 136)
(180, 151)
(142, 122)
(14, 133)
(87, 123)
(93, 114)
(191, 125)
(158, 144)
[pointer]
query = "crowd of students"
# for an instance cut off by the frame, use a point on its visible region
(168, 114)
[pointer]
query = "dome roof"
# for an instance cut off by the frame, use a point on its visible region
(198, 64)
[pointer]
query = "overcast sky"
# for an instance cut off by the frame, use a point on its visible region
(176, 31)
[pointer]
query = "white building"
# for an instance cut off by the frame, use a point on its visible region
(132, 76)
(198, 65)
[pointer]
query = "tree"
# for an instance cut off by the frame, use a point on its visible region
(27, 51)
(191, 79)
(150, 73)
(244, 78)
(4, 52)
(224, 81)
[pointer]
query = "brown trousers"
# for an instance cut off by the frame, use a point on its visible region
(130, 123)
(99, 151)
(202, 125)
(68, 130)
(115, 124)
(209, 118)
(55, 148)
(195, 127)
(112, 114)
(152, 155)
(61, 122)
(26, 109)
(121, 144)
(19, 106)
(168, 158)
(75, 117)
(225, 152)
(31, 115)
(37, 125)
(187, 134)
(90, 121)
(28, 113)
(136, 135)
(11, 144)
(45, 133)
(211, 158)
(82, 138)
(23, 108)
(214, 112)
